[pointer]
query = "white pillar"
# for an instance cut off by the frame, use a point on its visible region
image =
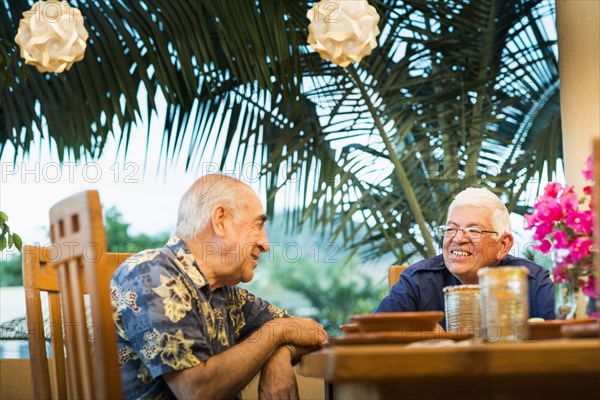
(578, 24)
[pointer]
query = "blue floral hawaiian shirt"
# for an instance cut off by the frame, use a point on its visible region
(167, 319)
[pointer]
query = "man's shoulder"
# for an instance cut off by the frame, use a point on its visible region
(512, 261)
(433, 264)
(144, 261)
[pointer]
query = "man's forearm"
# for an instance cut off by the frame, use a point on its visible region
(277, 377)
(226, 374)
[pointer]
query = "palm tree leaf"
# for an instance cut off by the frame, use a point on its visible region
(466, 91)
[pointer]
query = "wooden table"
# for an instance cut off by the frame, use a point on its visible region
(551, 369)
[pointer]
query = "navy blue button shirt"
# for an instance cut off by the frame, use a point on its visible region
(420, 288)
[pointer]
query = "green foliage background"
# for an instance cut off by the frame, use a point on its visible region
(117, 236)
(304, 273)
(313, 277)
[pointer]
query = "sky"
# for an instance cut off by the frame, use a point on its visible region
(141, 185)
(147, 199)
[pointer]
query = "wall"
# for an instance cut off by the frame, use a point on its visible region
(578, 24)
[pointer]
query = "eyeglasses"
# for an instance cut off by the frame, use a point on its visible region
(471, 233)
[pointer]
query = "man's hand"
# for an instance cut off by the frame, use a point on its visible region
(277, 377)
(299, 331)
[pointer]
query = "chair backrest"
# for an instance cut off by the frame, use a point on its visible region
(76, 264)
(394, 274)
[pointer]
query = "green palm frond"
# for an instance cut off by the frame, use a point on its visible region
(188, 51)
(445, 104)
(466, 91)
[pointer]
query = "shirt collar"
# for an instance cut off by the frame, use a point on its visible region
(186, 261)
(512, 261)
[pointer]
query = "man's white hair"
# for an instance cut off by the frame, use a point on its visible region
(200, 200)
(482, 197)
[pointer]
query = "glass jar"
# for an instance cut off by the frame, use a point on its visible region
(504, 303)
(565, 300)
(462, 306)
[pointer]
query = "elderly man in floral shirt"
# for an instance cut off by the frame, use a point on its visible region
(184, 329)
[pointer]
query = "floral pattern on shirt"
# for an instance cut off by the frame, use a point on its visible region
(126, 353)
(173, 350)
(144, 374)
(176, 297)
(187, 261)
(140, 258)
(168, 319)
(209, 319)
(121, 301)
(276, 311)
(236, 315)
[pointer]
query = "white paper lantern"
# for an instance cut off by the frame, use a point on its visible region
(343, 31)
(51, 36)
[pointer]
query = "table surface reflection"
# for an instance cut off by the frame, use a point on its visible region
(543, 369)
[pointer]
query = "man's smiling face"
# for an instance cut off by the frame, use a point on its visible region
(464, 256)
(246, 237)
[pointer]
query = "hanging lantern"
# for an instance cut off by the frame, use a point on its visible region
(343, 31)
(51, 36)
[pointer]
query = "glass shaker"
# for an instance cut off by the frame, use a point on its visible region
(504, 303)
(462, 304)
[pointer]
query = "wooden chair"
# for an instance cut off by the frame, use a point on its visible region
(394, 274)
(76, 264)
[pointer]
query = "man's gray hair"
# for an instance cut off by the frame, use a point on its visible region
(200, 200)
(482, 197)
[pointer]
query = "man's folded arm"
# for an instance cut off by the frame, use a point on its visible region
(225, 374)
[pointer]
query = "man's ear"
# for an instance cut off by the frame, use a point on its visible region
(218, 221)
(504, 245)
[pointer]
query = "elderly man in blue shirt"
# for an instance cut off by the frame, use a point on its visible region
(477, 234)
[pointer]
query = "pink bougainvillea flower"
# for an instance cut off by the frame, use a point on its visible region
(560, 273)
(589, 287)
(549, 210)
(552, 189)
(580, 248)
(569, 202)
(588, 170)
(530, 220)
(581, 222)
(541, 231)
(544, 246)
(564, 222)
(567, 259)
(560, 239)
(568, 189)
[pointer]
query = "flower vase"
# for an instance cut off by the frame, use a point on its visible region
(565, 285)
(565, 299)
